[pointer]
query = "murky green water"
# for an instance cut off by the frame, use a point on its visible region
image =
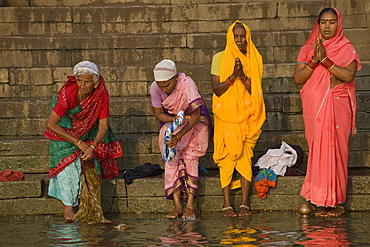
(262, 229)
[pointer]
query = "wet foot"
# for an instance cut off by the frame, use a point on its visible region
(68, 214)
(336, 212)
(322, 212)
(228, 212)
(177, 212)
(244, 211)
(189, 213)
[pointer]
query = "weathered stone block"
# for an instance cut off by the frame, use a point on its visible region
(292, 103)
(24, 146)
(301, 9)
(274, 102)
(134, 124)
(4, 76)
(19, 189)
(30, 76)
(130, 106)
(127, 89)
(123, 14)
(25, 164)
(54, 58)
(21, 109)
(42, 14)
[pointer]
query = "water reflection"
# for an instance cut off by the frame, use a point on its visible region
(73, 234)
(262, 229)
(183, 233)
(325, 232)
(239, 233)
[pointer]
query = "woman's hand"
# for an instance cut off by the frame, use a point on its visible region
(238, 70)
(320, 51)
(87, 151)
(173, 142)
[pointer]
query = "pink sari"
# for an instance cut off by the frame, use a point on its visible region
(182, 171)
(329, 115)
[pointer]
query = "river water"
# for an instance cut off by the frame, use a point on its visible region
(278, 228)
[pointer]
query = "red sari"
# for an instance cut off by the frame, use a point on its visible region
(329, 115)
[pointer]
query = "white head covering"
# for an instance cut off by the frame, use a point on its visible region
(164, 70)
(86, 67)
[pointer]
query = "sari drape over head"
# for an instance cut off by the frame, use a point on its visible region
(182, 171)
(239, 115)
(329, 116)
(82, 122)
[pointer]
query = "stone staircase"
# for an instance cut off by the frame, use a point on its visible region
(41, 40)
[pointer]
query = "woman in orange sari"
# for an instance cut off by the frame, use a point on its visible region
(326, 67)
(239, 112)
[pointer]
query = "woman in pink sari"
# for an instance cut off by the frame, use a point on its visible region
(326, 67)
(172, 92)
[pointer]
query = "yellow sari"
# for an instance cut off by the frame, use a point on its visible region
(238, 114)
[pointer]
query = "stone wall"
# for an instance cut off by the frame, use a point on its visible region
(41, 40)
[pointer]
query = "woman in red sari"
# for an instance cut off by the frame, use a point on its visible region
(326, 68)
(83, 148)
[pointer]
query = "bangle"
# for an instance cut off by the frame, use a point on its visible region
(247, 82)
(314, 60)
(93, 147)
(178, 137)
(79, 141)
(308, 67)
(311, 64)
(328, 64)
(323, 59)
(229, 82)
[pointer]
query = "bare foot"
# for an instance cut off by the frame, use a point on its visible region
(175, 213)
(336, 212)
(228, 212)
(68, 213)
(322, 212)
(244, 211)
(189, 213)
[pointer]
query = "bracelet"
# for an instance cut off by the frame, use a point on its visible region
(331, 67)
(79, 141)
(323, 59)
(311, 64)
(308, 67)
(93, 147)
(328, 64)
(178, 137)
(314, 60)
(229, 82)
(247, 82)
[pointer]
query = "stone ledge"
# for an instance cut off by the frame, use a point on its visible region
(139, 199)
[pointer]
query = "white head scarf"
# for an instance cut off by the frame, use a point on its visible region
(164, 70)
(86, 67)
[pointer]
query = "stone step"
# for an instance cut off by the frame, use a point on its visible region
(263, 39)
(118, 3)
(136, 198)
(133, 115)
(31, 154)
(43, 83)
(128, 57)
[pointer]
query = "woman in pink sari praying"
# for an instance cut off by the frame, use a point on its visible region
(326, 68)
(172, 92)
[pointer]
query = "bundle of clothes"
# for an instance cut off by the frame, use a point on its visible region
(9, 175)
(277, 161)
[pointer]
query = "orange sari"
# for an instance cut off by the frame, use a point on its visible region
(238, 114)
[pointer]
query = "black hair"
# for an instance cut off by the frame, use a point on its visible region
(325, 11)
